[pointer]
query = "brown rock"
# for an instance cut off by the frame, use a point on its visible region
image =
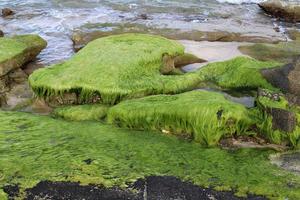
(284, 9)
(1, 33)
(7, 12)
(4, 84)
(18, 76)
(82, 38)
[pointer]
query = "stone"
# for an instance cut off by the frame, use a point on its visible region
(18, 76)
(287, 77)
(283, 9)
(81, 38)
(19, 50)
(7, 12)
(1, 33)
(283, 120)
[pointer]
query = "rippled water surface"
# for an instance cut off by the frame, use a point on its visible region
(55, 20)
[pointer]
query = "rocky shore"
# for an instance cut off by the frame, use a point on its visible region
(145, 112)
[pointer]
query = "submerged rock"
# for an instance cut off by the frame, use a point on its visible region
(284, 52)
(284, 9)
(287, 161)
(7, 12)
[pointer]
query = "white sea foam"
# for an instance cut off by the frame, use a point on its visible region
(240, 1)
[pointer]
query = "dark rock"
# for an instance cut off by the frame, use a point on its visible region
(143, 16)
(1, 33)
(283, 120)
(7, 12)
(283, 9)
(151, 188)
(287, 78)
(12, 191)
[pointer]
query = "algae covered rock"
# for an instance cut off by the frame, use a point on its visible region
(280, 122)
(288, 10)
(18, 50)
(82, 112)
(238, 74)
(202, 116)
(114, 68)
(14, 53)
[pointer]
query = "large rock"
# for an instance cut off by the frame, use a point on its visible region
(18, 50)
(83, 37)
(287, 78)
(116, 68)
(284, 9)
(14, 53)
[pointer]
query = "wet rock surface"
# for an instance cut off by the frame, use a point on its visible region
(287, 161)
(7, 12)
(283, 120)
(82, 38)
(286, 78)
(152, 188)
(284, 9)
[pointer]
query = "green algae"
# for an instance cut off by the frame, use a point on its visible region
(35, 148)
(265, 123)
(17, 50)
(237, 74)
(82, 112)
(115, 68)
(283, 52)
(202, 116)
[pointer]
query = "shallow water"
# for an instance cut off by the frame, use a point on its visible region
(55, 20)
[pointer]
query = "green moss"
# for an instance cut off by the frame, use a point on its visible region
(238, 73)
(3, 195)
(265, 123)
(200, 115)
(16, 51)
(35, 148)
(116, 68)
(283, 52)
(82, 112)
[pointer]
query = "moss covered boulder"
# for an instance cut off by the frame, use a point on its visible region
(202, 116)
(280, 121)
(18, 50)
(114, 68)
(237, 74)
(14, 53)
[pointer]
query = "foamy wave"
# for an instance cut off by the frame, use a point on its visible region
(240, 1)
